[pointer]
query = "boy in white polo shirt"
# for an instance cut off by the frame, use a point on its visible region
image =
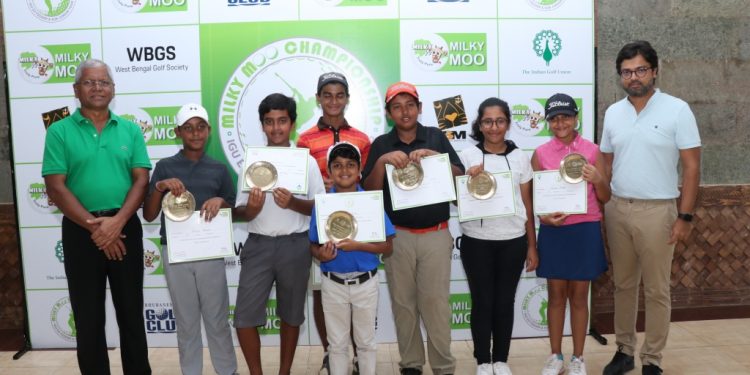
(277, 248)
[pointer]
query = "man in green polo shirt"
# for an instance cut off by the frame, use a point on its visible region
(96, 167)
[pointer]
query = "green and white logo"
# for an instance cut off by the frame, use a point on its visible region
(51, 10)
(352, 3)
(61, 319)
(545, 5)
(152, 264)
(528, 118)
(52, 63)
(157, 124)
(451, 52)
(460, 311)
(37, 193)
(151, 6)
(534, 307)
(230, 318)
(292, 66)
(547, 45)
(273, 322)
(59, 254)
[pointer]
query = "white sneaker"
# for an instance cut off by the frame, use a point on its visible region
(576, 367)
(484, 369)
(553, 366)
(501, 368)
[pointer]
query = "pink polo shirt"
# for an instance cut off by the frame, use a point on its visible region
(549, 156)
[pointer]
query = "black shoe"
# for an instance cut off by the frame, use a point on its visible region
(651, 370)
(411, 371)
(620, 364)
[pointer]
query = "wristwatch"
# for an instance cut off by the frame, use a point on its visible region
(685, 217)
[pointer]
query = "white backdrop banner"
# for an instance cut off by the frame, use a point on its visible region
(229, 54)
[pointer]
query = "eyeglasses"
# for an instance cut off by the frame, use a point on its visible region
(96, 82)
(192, 129)
(488, 122)
(639, 72)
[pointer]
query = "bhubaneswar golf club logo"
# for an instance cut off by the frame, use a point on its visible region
(545, 5)
(547, 45)
(62, 321)
(51, 10)
(534, 307)
(450, 52)
(292, 66)
(149, 6)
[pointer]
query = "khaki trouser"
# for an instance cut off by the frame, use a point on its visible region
(418, 273)
(638, 232)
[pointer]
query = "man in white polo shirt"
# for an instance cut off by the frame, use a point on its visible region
(645, 136)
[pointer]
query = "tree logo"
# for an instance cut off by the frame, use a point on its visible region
(51, 10)
(293, 65)
(545, 5)
(61, 318)
(547, 45)
(59, 254)
(534, 307)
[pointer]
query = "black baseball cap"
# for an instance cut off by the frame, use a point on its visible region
(332, 77)
(560, 104)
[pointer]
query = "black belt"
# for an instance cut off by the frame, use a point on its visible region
(105, 213)
(353, 281)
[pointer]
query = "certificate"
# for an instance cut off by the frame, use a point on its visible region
(436, 187)
(553, 194)
(502, 203)
(196, 239)
(290, 162)
(365, 206)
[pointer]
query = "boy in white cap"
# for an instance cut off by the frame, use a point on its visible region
(198, 289)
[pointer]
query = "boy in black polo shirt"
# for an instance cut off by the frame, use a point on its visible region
(198, 289)
(421, 259)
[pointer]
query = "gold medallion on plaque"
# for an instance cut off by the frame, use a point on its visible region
(408, 177)
(571, 167)
(178, 208)
(482, 186)
(341, 225)
(261, 174)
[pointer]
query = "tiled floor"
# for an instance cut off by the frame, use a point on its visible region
(700, 348)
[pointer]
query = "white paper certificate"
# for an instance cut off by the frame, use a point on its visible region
(290, 163)
(437, 185)
(195, 239)
(365, 206)
(553, 194)
(503, 203)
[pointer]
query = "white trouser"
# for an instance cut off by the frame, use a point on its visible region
(346, 307)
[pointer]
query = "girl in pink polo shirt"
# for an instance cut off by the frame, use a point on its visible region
(571, 250)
